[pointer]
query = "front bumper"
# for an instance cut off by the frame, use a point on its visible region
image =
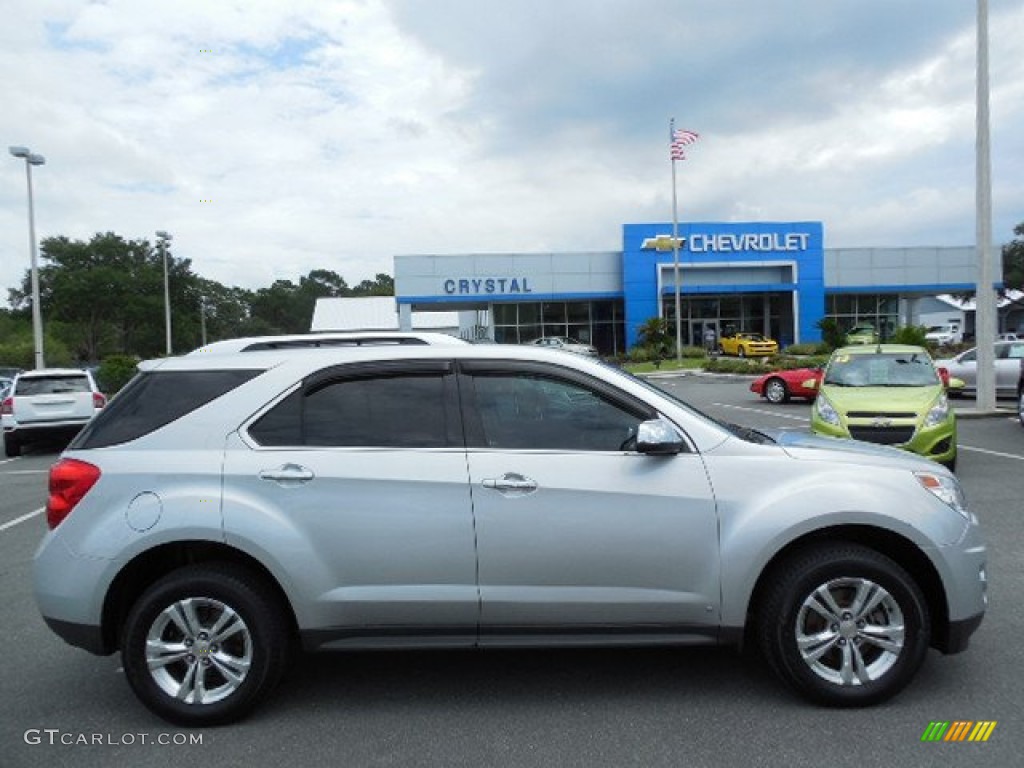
(937, 443)
(957, 635)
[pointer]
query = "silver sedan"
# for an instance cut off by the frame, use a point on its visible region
(566, 344)
(1008, 355)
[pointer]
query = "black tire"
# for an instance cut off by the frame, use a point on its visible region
(11, 446)
(776, 391)
(1020, 407)
(740, 351)
(951, 464)
(840, 570)
(255, 651)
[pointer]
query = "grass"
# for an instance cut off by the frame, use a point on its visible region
(688, 364)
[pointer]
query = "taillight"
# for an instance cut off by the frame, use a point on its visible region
(7, 406)
(98, 400)
(70, 480)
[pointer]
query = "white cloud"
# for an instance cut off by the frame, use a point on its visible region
(329, 134)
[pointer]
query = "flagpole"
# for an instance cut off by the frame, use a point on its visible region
(675, 249)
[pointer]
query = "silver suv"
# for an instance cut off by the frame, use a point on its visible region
(335, 339)
(223, 510)
(46, 404)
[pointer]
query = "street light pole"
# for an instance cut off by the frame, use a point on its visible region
(984, 297)
(37, 313)
(161, 245)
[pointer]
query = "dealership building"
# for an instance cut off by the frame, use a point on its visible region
(775, 278)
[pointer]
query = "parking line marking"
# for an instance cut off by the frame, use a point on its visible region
(22, 519)
(763, 412)
(961, 446)
(1000, 454)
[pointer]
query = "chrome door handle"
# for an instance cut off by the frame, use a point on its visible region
(288, 474)
(510, 481)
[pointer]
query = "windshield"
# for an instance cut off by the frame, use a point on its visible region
(883, 369)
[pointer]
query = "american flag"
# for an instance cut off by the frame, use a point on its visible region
(681, 138)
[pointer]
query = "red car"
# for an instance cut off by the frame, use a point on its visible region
(780, 386)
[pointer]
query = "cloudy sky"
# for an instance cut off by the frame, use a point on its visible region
(272, 137)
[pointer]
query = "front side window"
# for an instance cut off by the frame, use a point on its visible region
(396, 411)
(524, 411)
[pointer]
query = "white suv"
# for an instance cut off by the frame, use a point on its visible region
(224, 510)
(54, 402)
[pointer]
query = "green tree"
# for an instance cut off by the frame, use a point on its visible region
(1013, 262)
(106, 296)
(653, 337)
(831, 333)
(381, 285)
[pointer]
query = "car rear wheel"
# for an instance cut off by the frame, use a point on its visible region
(843, 625)
(11, 446)
(204, 644)
(776, 391)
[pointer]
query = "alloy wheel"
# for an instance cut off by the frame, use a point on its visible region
(850, 631)
(199, 650)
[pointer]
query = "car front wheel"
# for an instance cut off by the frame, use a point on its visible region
(11, 446)
(844, 625)
(1020, 407)
(775, 391)
(204, 644)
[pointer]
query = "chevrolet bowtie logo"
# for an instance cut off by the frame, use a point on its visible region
(662, 243)
(881, 421)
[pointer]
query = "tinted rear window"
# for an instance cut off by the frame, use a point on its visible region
(53, 385)
(152, 400)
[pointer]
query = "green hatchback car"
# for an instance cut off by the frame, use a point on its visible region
(890, 394)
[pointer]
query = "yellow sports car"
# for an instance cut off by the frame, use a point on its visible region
(747, 345)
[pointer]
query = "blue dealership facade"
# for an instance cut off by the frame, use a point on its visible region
(776, 278)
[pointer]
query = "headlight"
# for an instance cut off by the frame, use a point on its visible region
(939, 412)
(946, 488)
(826, 411)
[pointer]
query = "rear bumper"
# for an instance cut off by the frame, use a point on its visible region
(25, 433)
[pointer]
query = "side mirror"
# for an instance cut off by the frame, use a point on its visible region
(658, 438)
(809, 384)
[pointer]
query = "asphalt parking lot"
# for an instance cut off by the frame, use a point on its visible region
(665, 707)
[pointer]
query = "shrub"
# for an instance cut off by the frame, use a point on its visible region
(733, 365)
(832, 335)
(789, 363)
(639, 354)
(693, 352)
(808, 348)
(910, 334)
(116, 371)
